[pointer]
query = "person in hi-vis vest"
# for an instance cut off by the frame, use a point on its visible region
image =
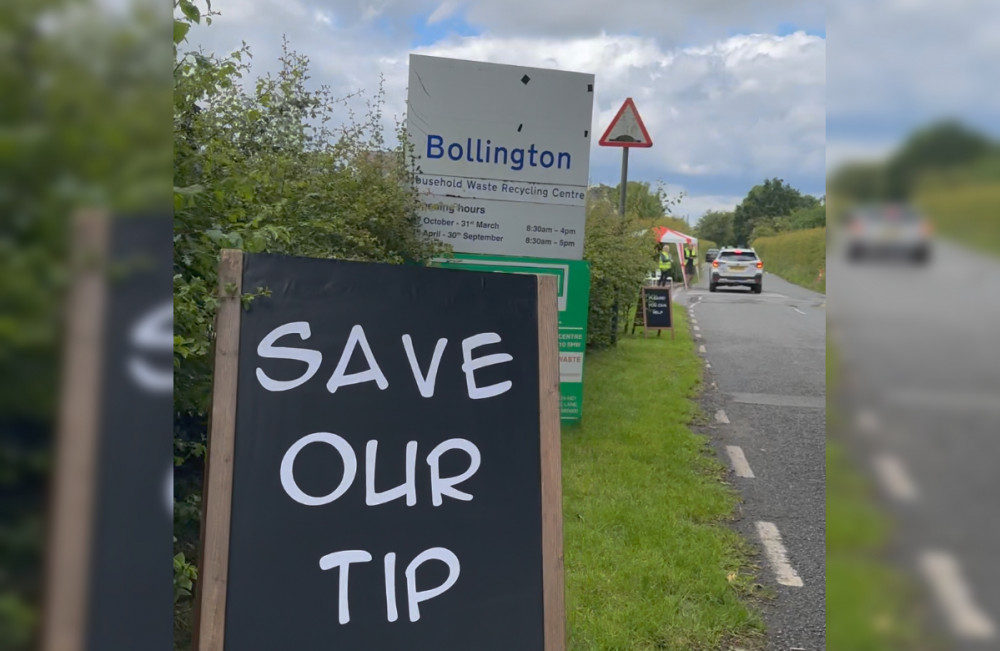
(665, 265)
(689, 255)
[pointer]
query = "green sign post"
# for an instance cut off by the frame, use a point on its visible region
(574, 302)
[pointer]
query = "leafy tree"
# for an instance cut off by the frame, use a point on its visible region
(862, 182)
(258, 166)
(716, 226)
(619, 261)
(942, 146)
(642, 202)
(83, 90)
(773, 198)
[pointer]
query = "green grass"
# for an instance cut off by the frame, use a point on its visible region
(966, 212)
(797, 256)
(650, 560)
(870, 605)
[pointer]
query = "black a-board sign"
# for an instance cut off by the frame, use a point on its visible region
(656, 310)
(384, 468)
(108, 575)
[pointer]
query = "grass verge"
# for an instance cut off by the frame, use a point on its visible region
(966, 213)
(650, 561)
(797, 256)
(870, 605)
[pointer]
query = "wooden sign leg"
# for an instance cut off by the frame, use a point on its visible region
(210, 606)
(553, 591)
(77, 439)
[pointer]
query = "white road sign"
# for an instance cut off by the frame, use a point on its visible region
(504, 155)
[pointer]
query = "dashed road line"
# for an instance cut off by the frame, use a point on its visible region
(778, 555)
(798, 310)
(739, 461)
(707, 365)
(944, 574)
(720, 417)
(697, 328)
(701, 348)
(895, 478)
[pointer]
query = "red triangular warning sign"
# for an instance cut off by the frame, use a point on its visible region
(627, 129)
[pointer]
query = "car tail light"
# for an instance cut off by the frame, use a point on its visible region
(760, 264)
(715, 263)
(738, 252)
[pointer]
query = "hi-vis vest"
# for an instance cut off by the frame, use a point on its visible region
(688, 253)
(664, 261)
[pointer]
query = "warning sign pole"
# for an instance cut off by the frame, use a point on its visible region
(626, 131)
(624, 185)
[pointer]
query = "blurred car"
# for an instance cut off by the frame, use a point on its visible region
(885, 231)
(711, 254)
(740, 267)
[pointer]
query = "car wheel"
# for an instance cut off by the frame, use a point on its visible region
(758, 288)
(921, 255)
(711, 287)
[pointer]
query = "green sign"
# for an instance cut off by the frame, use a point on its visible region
(574, 302)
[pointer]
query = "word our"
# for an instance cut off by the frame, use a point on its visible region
(440, 486)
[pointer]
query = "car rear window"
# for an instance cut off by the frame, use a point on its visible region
(742, 256)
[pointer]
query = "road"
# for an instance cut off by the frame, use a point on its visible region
(921, 374)
(765, 369)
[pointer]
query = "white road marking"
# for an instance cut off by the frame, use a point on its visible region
(739, 461)
(720, 417)
(942, 571)
(697, 336)
(778, 555)
(895, 478)
(707, 365)
(798, 310)
(701, 348)
(697, 328)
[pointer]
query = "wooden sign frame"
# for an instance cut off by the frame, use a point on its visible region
(210, 605)
(75, 478)
(645, 326)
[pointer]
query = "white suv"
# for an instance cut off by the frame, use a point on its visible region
(735, 266)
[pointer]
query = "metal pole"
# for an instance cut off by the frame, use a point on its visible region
(624, 185)
(621, 209)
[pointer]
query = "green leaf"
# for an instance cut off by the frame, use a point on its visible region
(180, 31)
(190, 11)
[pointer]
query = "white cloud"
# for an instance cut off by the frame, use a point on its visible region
(676, 22)
(694, 207)
(842, 151)
(912, 59)
(748, 105)
(444, 11)
(737, 108)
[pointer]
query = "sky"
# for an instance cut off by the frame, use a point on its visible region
(894, 66)
(731, 92)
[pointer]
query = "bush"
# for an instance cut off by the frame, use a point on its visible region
(796, 256)
(619, 261)
(256, 168)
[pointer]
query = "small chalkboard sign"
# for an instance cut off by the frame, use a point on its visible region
(656, 308)
(384, 466)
